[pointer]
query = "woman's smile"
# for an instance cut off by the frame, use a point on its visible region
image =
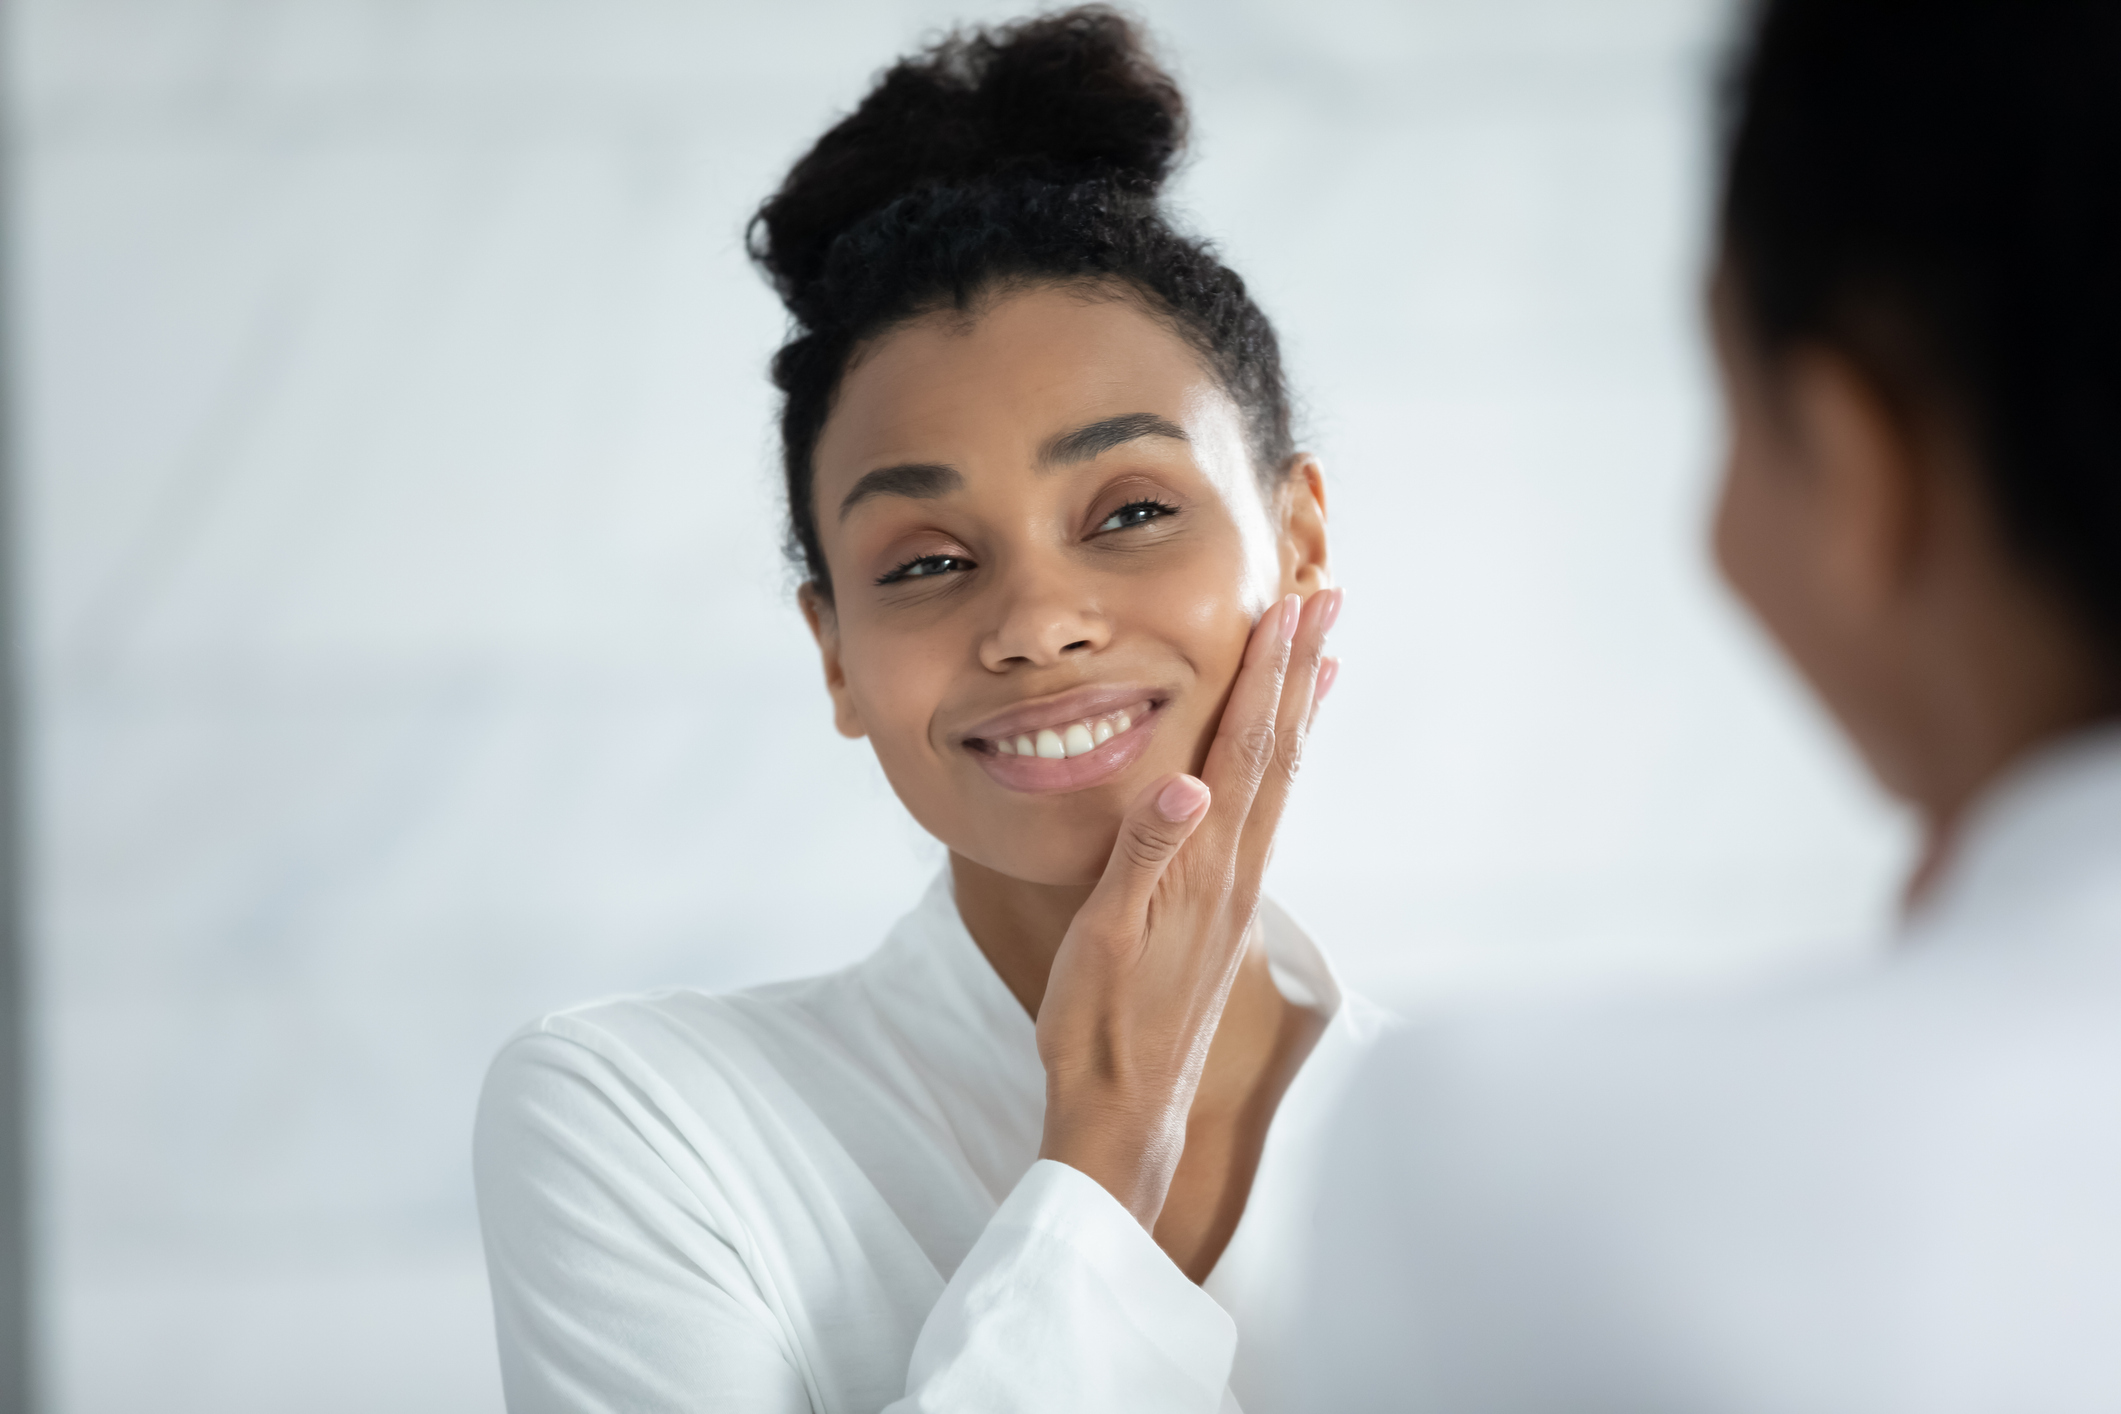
(1051, 540)
(1071, 742)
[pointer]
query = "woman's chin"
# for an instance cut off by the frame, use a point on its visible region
(1047, 863)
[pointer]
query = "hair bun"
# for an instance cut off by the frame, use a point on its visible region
(1064, 98)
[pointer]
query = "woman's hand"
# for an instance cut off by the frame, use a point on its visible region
(1139, 983)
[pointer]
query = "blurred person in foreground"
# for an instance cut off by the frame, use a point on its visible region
(1897, 1188)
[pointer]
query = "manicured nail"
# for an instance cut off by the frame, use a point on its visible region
(1292, 612)
(1327, 672)
(1183, 799)
(1334, 598)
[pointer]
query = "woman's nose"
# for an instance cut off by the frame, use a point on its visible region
(1044, 620)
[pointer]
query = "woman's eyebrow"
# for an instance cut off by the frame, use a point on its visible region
(922, 481)
(1102, 436)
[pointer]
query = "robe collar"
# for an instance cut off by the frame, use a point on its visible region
(2038, 861)
(944, 1001)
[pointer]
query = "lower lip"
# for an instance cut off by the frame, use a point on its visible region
(1043, 775)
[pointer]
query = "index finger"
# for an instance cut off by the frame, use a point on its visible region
(1300, 679)
(1244, 739)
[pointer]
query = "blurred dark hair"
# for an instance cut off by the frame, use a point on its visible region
(1933, 189)
(997, 158)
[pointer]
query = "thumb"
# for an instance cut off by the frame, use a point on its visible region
(1160, 820)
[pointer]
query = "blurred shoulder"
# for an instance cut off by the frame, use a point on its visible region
(1898, 1063)
(1512, 1087)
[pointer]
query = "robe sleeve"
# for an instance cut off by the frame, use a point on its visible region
(613, 1288)
(619, 1285)
(1065, 1303)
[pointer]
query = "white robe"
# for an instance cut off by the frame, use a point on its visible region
(1890, 1191)
(822, 1196)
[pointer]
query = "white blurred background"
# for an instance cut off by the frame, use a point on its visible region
(410, 652)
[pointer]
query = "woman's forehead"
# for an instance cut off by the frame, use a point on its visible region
(1005, 381)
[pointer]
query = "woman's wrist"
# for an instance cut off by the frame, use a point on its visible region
(1128, 1148)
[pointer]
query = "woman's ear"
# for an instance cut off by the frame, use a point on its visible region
(1869, 483)
(1300, 520)
(825, 628)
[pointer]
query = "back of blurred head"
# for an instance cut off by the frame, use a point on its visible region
(1887, 1188)
(1918, 307)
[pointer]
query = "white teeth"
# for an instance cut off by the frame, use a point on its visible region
(1074, 739)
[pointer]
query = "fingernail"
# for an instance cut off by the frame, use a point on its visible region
(1292, 612)
(1327, 672)
(1183, 799)
(1333, 603)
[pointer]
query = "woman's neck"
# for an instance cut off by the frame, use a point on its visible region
(1018, 925)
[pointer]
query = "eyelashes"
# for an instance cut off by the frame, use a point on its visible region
(1133, 514)
(1136, 513)
(923, 566)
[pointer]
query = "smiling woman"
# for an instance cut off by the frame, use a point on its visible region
(1043, 522)
(1042, 492)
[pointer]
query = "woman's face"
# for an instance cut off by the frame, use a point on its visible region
(1047, 548)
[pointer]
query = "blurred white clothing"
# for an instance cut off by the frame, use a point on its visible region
(823, 1196)
(1894, 1190)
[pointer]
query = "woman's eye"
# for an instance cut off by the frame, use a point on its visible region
(924, 566)
(1137, 513)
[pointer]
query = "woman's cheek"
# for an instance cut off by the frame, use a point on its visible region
(898, 688)
(1211, 624)
(1229, 576)
(897, 725)
(1208, 625)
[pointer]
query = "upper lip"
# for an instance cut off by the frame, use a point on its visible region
(1062, 708)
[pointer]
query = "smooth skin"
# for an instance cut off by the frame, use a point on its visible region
(1858, 533)
(985, 555)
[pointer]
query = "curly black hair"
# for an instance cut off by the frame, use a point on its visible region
(998, 158)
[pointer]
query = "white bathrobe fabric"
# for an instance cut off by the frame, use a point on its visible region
(825, 1196)
(1895, 1190)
